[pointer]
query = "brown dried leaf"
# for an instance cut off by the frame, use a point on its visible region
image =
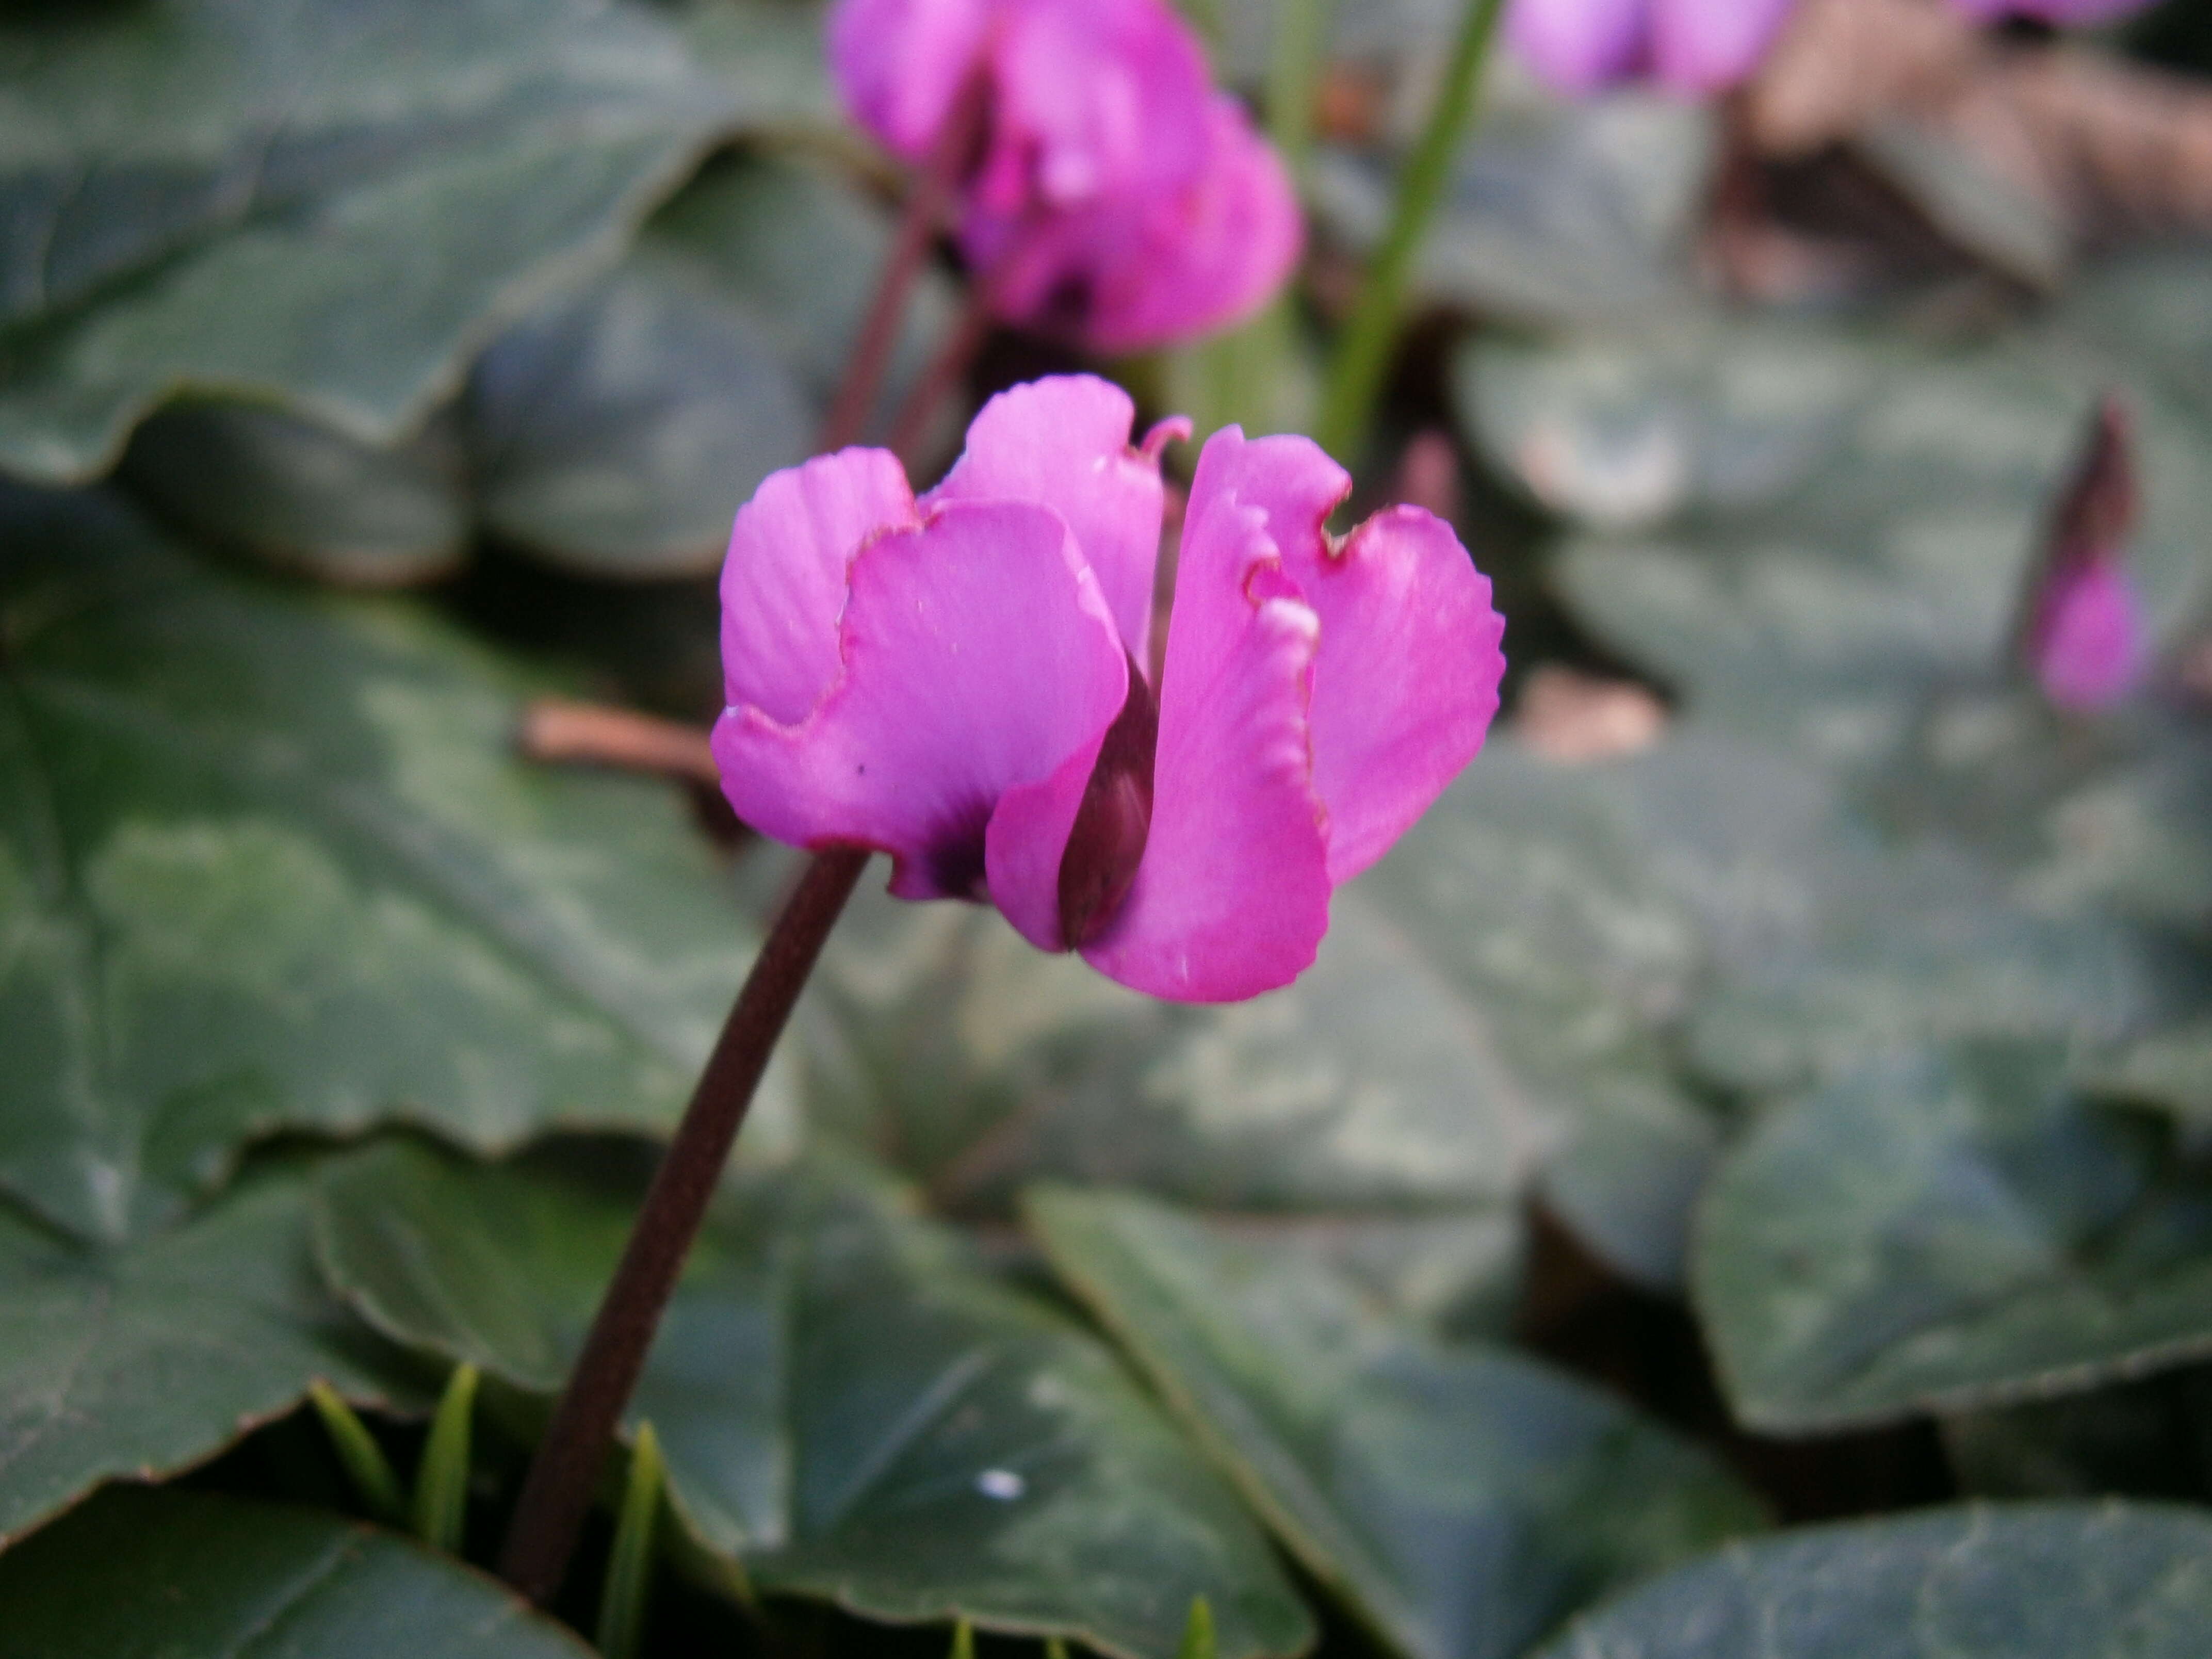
(2020, 154)
(1574, 718)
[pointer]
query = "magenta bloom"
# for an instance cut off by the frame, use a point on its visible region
(1119, 199)
(1577, 47)
(961, 681)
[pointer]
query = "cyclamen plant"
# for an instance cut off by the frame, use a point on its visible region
(963, 680)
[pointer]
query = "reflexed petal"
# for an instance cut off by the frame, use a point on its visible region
(979, 656)
(1703, 45)
(1209, 258)
(1132, 271)
(783, 582)
(899, 63)
(1065, 441)
(1232, 896)
(1406, 684)
(1579, 45)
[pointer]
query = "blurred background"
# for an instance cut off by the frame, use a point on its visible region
(1783, 1060)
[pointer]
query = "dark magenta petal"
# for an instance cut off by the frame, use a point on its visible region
(1406, 684)
(1231, 898)
(1065, 441)
(978, 658)
(899, 63)
(783, 581)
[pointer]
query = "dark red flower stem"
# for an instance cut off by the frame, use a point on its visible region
(928, 206)
(910, 426)
(564, 1474)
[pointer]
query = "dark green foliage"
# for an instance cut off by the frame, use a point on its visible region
(1848, 1045)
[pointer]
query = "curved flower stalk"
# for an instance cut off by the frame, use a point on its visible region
(1115, 197)
(960, 680)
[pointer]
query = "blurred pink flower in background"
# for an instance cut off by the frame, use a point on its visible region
(1119, 198)
(961, 681)
(1697, 47)
(1692, 45)
(2090, 637)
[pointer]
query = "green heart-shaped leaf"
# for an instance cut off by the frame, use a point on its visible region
(175, 1575)
(2103, 1581)
(1460, 1499)
(139, 1362)
(1941, 1231)
(330, 205)
(270, 864)
(848, 1407)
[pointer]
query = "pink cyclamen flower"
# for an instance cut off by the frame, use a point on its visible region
(1577, 47)
(1119, 198)
(961, 681)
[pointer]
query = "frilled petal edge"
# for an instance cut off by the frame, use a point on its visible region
(1064, 440)
(1406, 682)
(1232, 897)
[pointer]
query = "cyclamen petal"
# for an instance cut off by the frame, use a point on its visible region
(1064, 440)
(784, 579)
(1099, 98)
(1406, 684)
(1206, 257)
(900, 64)
(1120, 200)
(1231, 898)
(978, 655)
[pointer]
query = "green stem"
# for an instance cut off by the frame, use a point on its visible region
(1293, 77)
(630, 1566)
(441, 1483)
(366, 1465)
(1363, 351)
